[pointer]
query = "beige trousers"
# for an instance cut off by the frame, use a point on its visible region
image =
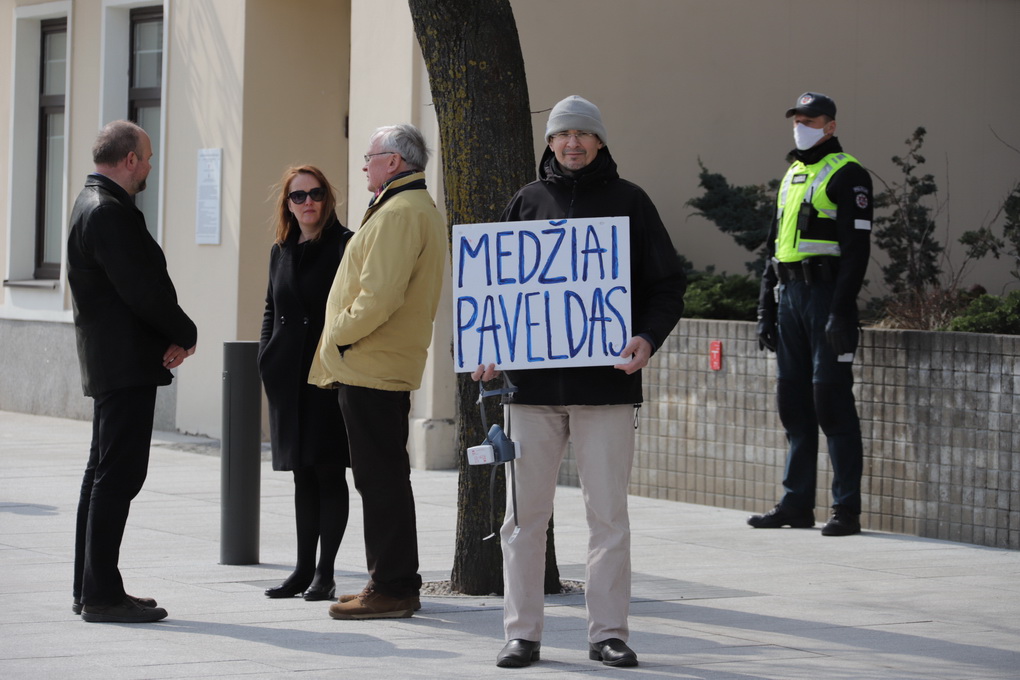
(603, 444)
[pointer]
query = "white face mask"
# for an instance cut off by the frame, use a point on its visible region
(806, 137)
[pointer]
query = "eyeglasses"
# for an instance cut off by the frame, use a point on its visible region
(368, 156)
(581, 136)
(298, 197)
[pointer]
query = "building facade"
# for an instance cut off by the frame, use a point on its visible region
(261, 84)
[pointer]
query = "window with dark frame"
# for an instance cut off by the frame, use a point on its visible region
(50, 163)
(145, 97)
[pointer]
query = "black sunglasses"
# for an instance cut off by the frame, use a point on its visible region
(316, 194)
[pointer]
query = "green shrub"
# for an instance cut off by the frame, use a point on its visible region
(990, 314)
(743, 212)
(721, 296)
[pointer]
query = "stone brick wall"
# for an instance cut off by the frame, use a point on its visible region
(938, 414)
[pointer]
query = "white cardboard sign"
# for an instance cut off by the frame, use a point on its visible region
(541, 294)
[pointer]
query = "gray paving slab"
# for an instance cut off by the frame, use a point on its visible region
(712, 598)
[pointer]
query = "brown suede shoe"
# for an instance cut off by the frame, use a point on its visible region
(350, 597)
(371, 604)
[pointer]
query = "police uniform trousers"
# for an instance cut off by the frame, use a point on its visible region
(815, 390)
(603, 445)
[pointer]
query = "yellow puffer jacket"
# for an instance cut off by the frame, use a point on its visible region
(383, 300)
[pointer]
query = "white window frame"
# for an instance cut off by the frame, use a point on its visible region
(26, 296)
(114, 87)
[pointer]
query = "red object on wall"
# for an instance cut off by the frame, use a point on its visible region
(715, 355)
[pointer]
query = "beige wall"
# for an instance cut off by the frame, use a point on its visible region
(204, 110)
(267, 85)
(267, 81)
(681, 79)
(6, 29)
(389, 85)
(294, 106)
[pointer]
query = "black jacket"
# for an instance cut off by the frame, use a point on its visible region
(657, 277)
(305, 424)
(125, 306)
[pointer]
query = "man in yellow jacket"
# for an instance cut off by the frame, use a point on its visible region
(379, 317)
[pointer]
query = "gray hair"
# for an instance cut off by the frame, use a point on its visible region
(406, 140)
(115, 141)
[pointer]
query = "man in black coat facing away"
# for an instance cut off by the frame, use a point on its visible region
(130, 332)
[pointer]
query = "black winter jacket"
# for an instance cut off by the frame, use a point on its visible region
(125, 306)
(305, 424)
(657, 277)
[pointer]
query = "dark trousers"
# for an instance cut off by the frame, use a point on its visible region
(118, 463)
(815, 390)
(321, 508)
(377, 431)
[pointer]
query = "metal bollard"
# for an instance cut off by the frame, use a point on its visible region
(240, 454)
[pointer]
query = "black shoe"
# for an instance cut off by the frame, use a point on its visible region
(288, 588)
(325, 591)
(127, 611)
(779, 517)
(843, 523)
(144, 601)
(612, 652)
(518, 654)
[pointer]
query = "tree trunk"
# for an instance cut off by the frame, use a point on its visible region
(479, 88)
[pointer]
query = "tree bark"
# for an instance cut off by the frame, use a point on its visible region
(476, 73)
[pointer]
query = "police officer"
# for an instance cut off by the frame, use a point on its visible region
(807, 314)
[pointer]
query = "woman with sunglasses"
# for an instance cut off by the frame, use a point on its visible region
(305, 426)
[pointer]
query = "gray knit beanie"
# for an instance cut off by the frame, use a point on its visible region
(575, 113)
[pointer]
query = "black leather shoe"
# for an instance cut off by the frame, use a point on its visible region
(288, 588)
(612, 652)
(143, 601)
(779, 517)
(127, 611)
(324, 591)
(843, 523)
(518, 654)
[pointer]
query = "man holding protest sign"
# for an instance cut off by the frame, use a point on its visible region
(591, 407)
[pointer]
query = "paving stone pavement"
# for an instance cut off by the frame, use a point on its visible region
(712, 599)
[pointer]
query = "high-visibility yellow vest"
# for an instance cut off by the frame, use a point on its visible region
(808, 182)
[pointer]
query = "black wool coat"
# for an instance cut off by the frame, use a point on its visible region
(125, 306)
(305, 424)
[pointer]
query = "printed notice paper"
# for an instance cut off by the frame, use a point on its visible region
(541, 294)
(207, 201)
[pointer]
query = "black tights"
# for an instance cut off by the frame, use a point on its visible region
(321, 507)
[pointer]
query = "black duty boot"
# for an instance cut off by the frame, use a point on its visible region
(780, 516)
(843, 523)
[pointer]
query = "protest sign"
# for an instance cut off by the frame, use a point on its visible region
(542, 293)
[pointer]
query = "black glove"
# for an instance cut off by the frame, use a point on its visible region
(767, 333)
(841, 334)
